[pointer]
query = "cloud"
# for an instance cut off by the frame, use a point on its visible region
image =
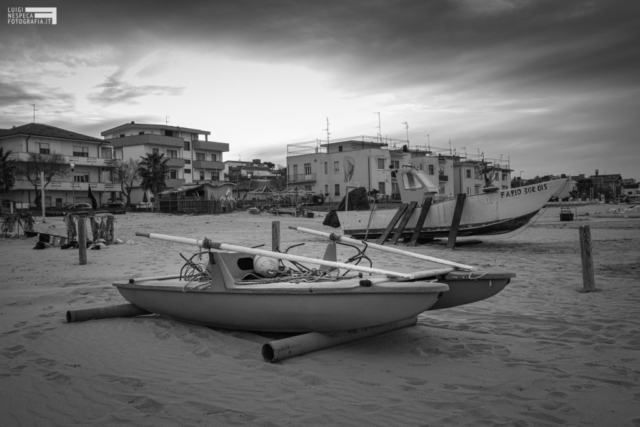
(116, 91)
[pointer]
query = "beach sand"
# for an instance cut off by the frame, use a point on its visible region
(540, 353)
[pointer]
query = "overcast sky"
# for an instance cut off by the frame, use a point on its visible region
(554, 86)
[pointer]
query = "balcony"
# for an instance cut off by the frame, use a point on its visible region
(210, 146)
(175, 163)
(310, 177)
(443, 178)
(67, 186)
(145, 139)
(208, 165)
(78, 160)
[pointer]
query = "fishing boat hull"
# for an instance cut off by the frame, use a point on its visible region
(497, 212)
(285, 307)
(466, 287)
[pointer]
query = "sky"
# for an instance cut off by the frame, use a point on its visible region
(551, 86)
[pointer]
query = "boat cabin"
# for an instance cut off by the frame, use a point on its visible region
(414, 184)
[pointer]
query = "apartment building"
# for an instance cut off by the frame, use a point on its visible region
(192, 157)
(335, 167)
(82, 164)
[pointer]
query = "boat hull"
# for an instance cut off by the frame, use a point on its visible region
(286, 307)
(483, 214)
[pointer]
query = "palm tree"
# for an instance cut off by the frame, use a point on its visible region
(153, 171)
(7, 171)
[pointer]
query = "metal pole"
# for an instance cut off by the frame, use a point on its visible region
(44, 218)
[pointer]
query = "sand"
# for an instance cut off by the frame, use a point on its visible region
(540, 353)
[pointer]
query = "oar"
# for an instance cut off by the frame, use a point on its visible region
(339, 238)
(208, 244)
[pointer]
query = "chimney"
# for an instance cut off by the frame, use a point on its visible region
(596, 172)
(133, 123)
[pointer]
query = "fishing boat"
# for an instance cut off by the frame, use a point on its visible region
(240, 288)
(493, 211)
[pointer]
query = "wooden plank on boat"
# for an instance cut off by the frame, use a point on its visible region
(421, 219)
(392, 224)
(344, 239)
(208, 244)
(455, 223)
(405, 219)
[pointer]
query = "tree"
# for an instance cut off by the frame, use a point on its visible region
(124, 173)
(153, 171)
(53, 165)
(7, 171)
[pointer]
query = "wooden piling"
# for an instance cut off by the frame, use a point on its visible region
(426, 204)
(82, 239)
(455, 223)
(588, 279)
(275, 236)
(392, 224)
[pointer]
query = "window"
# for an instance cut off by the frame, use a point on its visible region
(107, 153)
(380, 163)
(80, 151)
(468, 191)
(504, 177)
(80, 177)
(468, 172)
(382, 188)
(215, 176)
(141, 133)
(122, 135)
(214, 157)
(173, 174)
(187, 162)
(172, 154)
(168, 133)
(431, 170)
(336, 168)
(295, 172)
(44, 148)
(395, 164)
(155, 150)
(326, 188)
(187, 171)
(201, 175)
(307, 168)
(200, 156)
(187, 146)
(326, 169)
(337, 190)
(340, 148)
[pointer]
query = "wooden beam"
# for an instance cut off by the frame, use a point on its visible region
(392, 224)
(403, 223)
(455, 223)
(426, 204)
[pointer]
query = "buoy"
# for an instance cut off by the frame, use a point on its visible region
(265, 266)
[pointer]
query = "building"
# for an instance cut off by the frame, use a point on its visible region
(606, 186)
(335, 167)
(192, 157)
(80, 163)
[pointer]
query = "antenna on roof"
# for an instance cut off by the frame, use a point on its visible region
(34, 112)
(450, 152)
(379, 127)
(407, 127)
(327, 129)
(166, 120)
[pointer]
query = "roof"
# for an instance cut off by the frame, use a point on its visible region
(39, 129)
(190, 187)
(153, 126)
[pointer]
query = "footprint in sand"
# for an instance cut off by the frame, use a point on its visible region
(57, 377)
(11, 352)
(146, 405)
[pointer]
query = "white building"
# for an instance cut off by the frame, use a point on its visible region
(192, 157)
(88, 155)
